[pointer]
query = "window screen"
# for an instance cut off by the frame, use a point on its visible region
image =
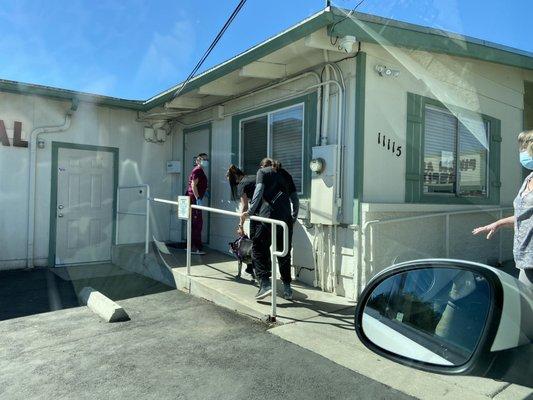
(254, 143)
(439, 151)
(286, 127)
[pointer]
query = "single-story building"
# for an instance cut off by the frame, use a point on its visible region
(411, 133)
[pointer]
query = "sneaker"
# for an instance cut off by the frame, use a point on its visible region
(265, 289)
(287, 291)
(198, 252)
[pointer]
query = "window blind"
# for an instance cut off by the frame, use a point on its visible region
(287, 141)
(473, 157)
(254, 143)
(439, 151)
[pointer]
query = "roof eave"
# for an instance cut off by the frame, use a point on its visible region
(299, 31)
(384, 31)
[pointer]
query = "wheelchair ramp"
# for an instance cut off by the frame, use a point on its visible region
(213, 277)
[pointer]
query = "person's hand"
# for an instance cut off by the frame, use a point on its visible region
(245, 216)
(490, 229)
(240, 230)
(199, 202)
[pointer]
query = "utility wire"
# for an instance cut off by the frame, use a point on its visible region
(212, 46)
(349, 14)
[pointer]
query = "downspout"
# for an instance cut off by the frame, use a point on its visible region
(32, 144)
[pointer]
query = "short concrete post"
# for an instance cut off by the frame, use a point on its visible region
(102, 305)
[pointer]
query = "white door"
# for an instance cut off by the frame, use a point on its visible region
(85, 182)
(197, 142)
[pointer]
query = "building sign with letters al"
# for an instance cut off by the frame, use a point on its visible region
(17, 135)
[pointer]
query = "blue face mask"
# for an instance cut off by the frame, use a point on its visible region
(526, 160)
(204, 164)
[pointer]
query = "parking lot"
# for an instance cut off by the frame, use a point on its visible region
(174, 347)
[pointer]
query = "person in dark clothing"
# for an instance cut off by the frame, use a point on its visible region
(285, 262)
(196, 189)
(242, 188)
(293, 194)
(270, 200)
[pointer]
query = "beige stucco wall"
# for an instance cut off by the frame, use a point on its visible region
(139, 162)
(487, 88)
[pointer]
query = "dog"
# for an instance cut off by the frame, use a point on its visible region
(241, 248)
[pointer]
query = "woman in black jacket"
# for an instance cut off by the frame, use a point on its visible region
(272, 199)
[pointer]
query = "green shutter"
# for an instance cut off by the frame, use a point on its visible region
(414, 147)
(494, 160)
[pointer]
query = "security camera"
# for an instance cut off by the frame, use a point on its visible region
(346, 43)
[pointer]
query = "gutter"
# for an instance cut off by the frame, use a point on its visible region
(68, 95)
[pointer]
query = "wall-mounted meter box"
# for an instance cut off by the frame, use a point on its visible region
(173, 167)
(323, 205)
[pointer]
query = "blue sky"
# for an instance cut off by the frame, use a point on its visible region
(138, 48)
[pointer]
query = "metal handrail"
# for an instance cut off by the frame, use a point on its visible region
(274, 252)
(370, 224)
(146, 213)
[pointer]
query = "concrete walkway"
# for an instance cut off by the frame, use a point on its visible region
(213, 277)
(323, 323)
(333, 337)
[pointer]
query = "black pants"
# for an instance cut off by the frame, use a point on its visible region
(261, 251)
(251, 267)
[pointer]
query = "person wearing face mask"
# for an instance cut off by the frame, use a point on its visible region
(270, 200)
(522, 220)
(196, 189)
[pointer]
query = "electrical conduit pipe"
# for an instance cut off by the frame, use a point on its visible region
(34, 135)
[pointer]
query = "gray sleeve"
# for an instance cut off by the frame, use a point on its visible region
(256, 200)
(295, 205)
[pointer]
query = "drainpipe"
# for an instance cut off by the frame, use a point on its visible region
(32, 144)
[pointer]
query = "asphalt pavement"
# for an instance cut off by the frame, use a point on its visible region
(174, 347)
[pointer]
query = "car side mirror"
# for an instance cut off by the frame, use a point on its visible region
(450, 317)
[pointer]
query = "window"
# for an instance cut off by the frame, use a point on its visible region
(453, 154)
(278, 134)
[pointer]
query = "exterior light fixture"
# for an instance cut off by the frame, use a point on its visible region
(385, 71)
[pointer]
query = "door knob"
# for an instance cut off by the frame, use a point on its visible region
(59, 215)
(60, 206)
